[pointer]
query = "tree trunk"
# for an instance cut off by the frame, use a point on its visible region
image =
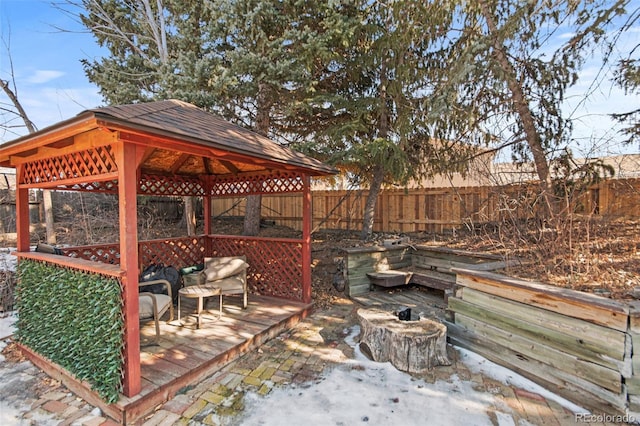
(263, 122)
(47, 201)
(190, 214)
(372, 199)
(46, 194)
(252, 215)
(524, 112)
(378, 169)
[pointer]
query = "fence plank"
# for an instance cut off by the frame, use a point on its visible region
(435, 209)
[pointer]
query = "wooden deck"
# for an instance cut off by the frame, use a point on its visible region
(430, 302)
(186, 355)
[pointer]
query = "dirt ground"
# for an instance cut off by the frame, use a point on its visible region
(607, 263)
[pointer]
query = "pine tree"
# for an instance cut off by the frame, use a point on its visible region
(367, 114)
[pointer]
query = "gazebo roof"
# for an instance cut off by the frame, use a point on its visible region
(181, 139)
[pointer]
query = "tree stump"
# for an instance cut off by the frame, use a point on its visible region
(411, 346)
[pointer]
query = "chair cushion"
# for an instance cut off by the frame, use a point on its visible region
(218, 268)
(230, 285)
(146, 304)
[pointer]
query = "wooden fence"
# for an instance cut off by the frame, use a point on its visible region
(399, 210)
(431, 209)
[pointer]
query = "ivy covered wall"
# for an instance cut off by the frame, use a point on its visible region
(75, 319)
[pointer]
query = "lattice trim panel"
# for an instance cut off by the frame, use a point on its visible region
(170, 185)
(108, 187)
(258, 184)
(176, 252)
(275, 267)
(106, 253)
(87, 163)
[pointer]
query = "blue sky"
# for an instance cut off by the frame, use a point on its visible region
(52, 85)
(50, 80)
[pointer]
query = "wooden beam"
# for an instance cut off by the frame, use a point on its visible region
(577, 304)
(169, 144)
(194, 148)
(81, 142)
(147, 153)
(179, 162)
(535, 348)
(22, 213)
(575, 389)
(81, 389)
(560, 330)
(55, 135)
(306, 239)
(206, 165)
(126, 156)
(71, 182)
(229, 166)
(75, 263)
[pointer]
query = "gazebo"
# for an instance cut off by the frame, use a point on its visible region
(166, 148)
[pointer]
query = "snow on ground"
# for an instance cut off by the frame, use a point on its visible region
(478, 364)
(8, 261)
(364, 391)
(10, 416)
(7, 328)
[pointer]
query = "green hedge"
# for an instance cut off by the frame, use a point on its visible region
(75, 319)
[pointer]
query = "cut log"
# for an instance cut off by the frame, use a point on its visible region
(411, 346)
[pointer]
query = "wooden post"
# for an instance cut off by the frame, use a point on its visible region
(127, 161)
(22, 212)
(206, 212)
(306, 239)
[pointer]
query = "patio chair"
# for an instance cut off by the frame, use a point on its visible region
(227, 273)
(153, 305)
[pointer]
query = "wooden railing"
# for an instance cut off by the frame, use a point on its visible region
(275, 263)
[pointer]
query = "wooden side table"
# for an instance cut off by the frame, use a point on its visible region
(200, 292)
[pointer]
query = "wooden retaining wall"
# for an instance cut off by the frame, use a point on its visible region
(577, 345)
(360, 260)
(633, 382)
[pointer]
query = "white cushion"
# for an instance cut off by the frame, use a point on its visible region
(218, 268)
(146, 304)
(230, 285)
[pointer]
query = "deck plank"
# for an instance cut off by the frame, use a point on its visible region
(186, 354)
(429, 303)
